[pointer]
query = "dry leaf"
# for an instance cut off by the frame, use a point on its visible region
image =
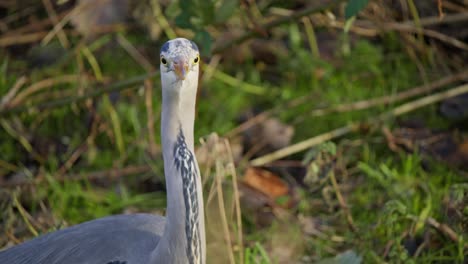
(265, 182)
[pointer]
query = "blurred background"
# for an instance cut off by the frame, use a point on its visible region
(329, 131)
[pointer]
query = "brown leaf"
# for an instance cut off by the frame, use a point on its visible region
(265, 182)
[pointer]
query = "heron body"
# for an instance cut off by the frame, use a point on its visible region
(144, 238)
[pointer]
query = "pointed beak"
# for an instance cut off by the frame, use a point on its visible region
(181, 68)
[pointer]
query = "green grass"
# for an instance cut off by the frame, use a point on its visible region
(256, 254)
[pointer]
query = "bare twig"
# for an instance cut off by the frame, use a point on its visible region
(455, 7)
(26, 216)
(265, 114)
(58, 27)
(254, 16)
(26, 11)
(80, 150)
(111, 173)
(360, 105)
(249, 123)
(7, 4)
(209, 70)
(385, 100)
(16, 39)
(222, 210)
(37, 86)
(436, 20)
(342, 202)
(274, 23)
(72, 159)
(12, 238)
(303, 145)
(445, 229)
(21, 39)
(35, 26)
(370, 29)
(402, 109)
(236, 195)
(430, 99)
(433, 34)
(53, 17)
(161, 18)
(95, 92)
(12, 92)
(135, 54)
(439, 8)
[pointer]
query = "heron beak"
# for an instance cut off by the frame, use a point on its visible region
(181, 68)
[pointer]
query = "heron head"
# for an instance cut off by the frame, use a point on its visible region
(179, 61)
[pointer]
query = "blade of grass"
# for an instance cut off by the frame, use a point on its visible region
(116, 127)
(162, 21)
(222, 210)
(417, 22)
(93, 63)
(53, 17)
(234, 82)
(309, 29)
(232, 170)
(24, 215)
(262, 252)
(24, 142)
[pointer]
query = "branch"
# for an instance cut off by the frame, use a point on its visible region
(95, 92)
(400, 110)
(386, 100)
(111, 173)
(274, 23)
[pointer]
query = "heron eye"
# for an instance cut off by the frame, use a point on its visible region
(196, 60)
(163, 61)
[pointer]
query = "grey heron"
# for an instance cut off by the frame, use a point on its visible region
(144, 238)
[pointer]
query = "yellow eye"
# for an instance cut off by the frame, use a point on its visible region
(163, 61)
(196, 60)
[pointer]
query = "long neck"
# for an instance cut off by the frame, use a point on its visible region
(183, 240)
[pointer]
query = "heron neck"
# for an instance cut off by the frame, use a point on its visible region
(187, 101)
(183, 240)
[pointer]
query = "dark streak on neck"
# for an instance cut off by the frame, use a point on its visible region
(185, 163)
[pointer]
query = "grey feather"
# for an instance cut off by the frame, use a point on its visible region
(126, 239)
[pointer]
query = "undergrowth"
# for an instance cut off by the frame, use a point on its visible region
(391, 195)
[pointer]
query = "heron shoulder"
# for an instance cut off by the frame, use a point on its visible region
(124, 238)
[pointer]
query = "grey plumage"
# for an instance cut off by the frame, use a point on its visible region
(144, 238)
(112, 238)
